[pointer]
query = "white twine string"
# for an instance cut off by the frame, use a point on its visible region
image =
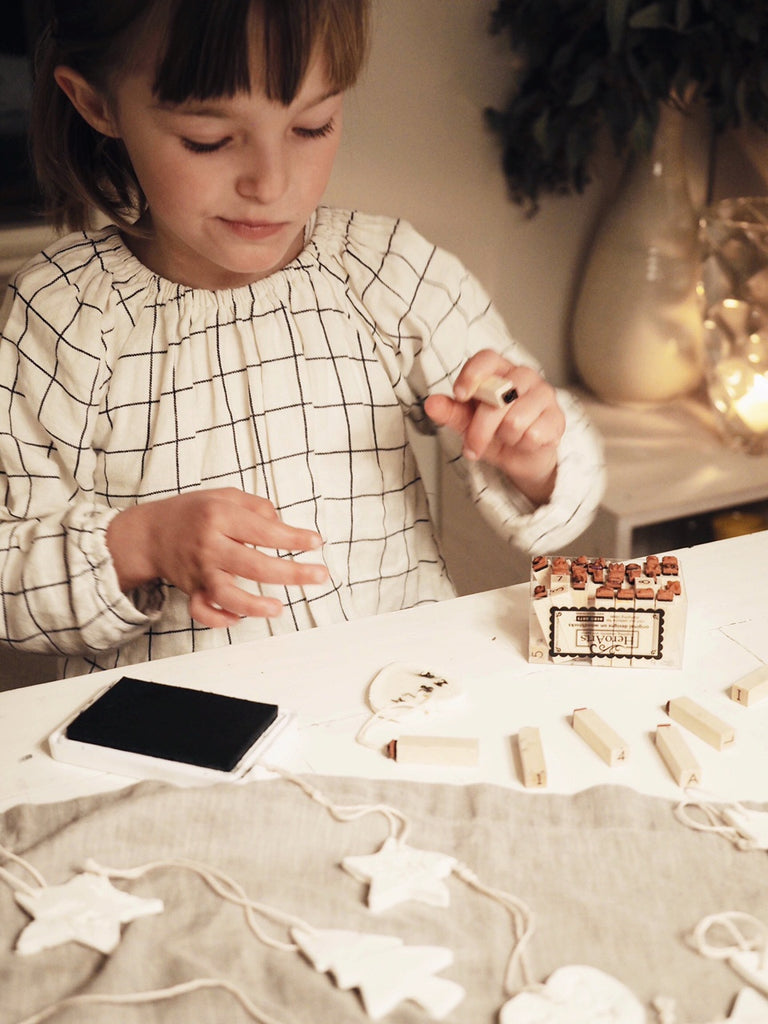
(12, 880)
(522, 916)
(219, 882)
(16, 883)
(737, 925)
(398, 823)
(523, 923)
(153, 996)
(225, 887)
(229, 890)
(715, 823)
(390, 713)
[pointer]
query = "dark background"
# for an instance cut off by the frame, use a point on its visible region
(21, 25)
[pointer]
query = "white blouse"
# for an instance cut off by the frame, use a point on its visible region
(121, 387)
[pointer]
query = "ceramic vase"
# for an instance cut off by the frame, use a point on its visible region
(637, 325)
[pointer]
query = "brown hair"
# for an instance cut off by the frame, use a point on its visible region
(204, 52)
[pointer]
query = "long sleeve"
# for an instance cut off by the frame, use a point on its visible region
(59, 589)
(432, 315)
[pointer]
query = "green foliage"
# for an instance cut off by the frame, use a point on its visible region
(580, 65)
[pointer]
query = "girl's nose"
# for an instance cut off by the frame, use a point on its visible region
(263, 178)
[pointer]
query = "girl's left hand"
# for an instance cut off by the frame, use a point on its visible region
(521, 439)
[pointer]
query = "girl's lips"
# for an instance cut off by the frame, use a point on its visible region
(254, 229)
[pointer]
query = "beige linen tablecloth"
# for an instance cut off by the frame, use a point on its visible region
(614, 880)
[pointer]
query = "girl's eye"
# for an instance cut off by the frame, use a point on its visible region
(203, 147)
(316, 133)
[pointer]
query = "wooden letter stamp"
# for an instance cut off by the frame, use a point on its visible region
(703, 723)
(600, 736)
(683, 766)
(496, 391)
(531, 757)
(443, 750)
(752, 687)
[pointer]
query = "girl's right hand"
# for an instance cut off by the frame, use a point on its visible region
(202, 542)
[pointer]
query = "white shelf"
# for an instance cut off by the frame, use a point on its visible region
(667, 463)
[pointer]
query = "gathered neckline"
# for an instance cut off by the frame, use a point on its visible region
(123, 263)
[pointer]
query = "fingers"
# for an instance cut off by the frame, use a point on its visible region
(531, 421)
(239, 531)
(202, 610)
(220, 600)
(252, 564)
(446, 412)
(509, 417)
(207, 543)
(249, 519)
(478, 369)
(208, 612)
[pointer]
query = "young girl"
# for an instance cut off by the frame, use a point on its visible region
(203, 430)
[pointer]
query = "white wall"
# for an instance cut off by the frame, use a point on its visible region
(415, 146)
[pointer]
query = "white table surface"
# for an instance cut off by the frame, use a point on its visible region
(480, 642)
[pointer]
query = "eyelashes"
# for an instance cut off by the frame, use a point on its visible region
(303, 133)
(203, 147)
(317, 133)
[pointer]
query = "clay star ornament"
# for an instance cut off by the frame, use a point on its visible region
(86, 909)
(397, 873)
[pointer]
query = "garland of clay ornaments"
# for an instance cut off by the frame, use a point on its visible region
(385, 971)
(381, 967)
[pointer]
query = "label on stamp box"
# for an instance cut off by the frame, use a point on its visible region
(606, 632)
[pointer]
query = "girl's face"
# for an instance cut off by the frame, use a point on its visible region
(230, 182)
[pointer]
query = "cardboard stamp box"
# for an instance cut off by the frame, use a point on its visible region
(595, 611)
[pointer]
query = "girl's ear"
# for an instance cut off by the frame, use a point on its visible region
(87, 101)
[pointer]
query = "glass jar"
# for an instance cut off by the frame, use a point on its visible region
(734, 288)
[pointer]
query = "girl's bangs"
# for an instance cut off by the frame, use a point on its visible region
(215, 49)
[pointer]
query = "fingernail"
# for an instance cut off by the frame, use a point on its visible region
(469, 454)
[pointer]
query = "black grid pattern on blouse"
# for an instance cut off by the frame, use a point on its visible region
(117, 386)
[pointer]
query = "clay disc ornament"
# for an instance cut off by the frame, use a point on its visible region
(403, 686)
(575, 995)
